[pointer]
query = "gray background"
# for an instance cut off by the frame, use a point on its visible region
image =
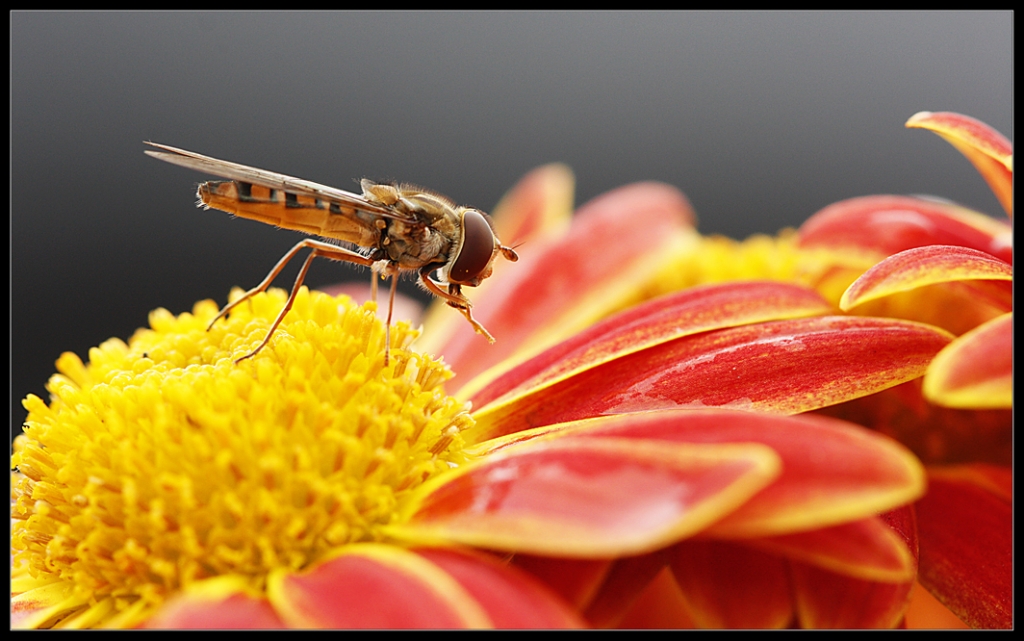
(761, 118)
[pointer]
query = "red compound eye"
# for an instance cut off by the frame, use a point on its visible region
(477, 249)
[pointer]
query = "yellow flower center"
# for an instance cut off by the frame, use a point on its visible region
(162, 462)
(717, 259)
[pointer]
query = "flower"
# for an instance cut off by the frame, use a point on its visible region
(911, 258)
(312, 486)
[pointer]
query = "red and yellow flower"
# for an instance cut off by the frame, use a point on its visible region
(601, 441)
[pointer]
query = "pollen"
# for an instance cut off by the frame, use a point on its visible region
(717, 259)
(161, 462)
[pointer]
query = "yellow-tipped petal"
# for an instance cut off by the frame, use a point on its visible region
(988, 149)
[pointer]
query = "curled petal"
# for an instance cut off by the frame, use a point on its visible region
(976, 370)
(885, 225)
(691, 311)
(988, 149)
(511, 598)
(973, 580)
(374, 586)
(855, 473)
(589, 498)
(929, 265)
(784, 367)
(560, 286)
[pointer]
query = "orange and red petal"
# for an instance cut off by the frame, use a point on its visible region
(886, 225)
(374, 586)
(832, 472)
(510, 597)
(562, 285)
(976, 370)
(929, 265)
(989, 151)
(690, 311)
(832, 601)
(726, 584)
(784, 367)
(216, 604)
(589, 498)
(966, 531)
(539, 205)
(867, 549)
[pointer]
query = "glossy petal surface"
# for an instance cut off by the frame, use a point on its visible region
(691, 311)
(966, 533)
(886, 225)
(976, 370)
(783, 367)
(854, 472)
(988, 149)
(594, 497)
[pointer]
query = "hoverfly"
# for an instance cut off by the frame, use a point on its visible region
(392, 228)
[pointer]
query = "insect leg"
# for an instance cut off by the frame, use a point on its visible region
(287, 306)
(456, 300)
(328, 250)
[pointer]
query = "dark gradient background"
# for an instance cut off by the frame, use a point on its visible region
(761, 118)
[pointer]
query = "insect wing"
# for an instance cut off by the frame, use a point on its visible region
(271, 180)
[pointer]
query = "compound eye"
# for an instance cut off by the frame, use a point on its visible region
(476, 251)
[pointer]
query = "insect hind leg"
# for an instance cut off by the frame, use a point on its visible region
(320, 248)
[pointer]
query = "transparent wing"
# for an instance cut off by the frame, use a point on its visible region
(273, 180)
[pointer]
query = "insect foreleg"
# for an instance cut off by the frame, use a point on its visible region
(456, 300)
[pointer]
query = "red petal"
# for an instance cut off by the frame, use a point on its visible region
(854, 473)
(988, 149)
(691, 311)
(867, 549)
(935, 434)
(558, 287)
(728, 585)
(589, 498)
(890, 224)
(827, 600)
(511, 598)
(623, 585)
(575, 580)
(967, 547)
(783, 367)
(660, 606)
(199, 610)
(374, 586)
(975, 370)
(537, 209)
(540, 204)
(922, 266)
